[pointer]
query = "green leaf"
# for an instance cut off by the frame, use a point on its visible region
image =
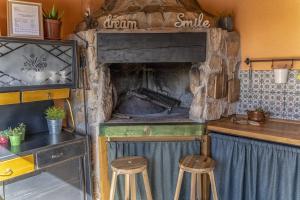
(61, 15)
(54, 113)
(54, 13)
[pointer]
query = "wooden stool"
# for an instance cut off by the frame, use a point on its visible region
(196, 165)
(130, 166)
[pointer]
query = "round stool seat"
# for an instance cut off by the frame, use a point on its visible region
(197, 163)
(129, 165)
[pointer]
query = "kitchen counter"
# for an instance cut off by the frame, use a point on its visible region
(36, 142)
(280, 131)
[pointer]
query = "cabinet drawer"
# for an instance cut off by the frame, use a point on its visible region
(43, 95)
(16, 167)
(55, 155)
(9, 98)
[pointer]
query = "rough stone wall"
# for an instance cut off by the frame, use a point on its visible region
(223, 54)
(99, 101)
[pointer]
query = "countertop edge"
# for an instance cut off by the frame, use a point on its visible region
(251, 134)
(78, 138)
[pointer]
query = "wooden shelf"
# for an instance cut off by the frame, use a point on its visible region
(11, 98)
(44, 95)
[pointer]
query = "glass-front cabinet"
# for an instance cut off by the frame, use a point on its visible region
(36, 64)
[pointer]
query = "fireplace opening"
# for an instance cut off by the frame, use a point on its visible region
(151, 91)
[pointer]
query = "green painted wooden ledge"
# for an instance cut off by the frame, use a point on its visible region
(125, 130)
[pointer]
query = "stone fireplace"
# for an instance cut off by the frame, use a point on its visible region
(166, 91)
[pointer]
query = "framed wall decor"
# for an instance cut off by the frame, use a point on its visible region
(25, 19)
(27, 64)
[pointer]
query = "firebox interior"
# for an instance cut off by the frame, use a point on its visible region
(151, 90)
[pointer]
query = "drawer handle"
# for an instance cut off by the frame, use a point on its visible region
(8, 172)
(54, 156)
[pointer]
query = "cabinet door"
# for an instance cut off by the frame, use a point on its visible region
(36, 64)
(59, 182)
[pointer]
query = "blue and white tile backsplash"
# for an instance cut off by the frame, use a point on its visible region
(281, 100)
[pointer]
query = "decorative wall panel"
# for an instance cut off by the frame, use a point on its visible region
(281, 100)
(36, 64)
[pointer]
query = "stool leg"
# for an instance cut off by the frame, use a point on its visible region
(213, 185)
(193, 186)
(113, 186)
(127, 187)
(178, 186)
(199, 185)
(147, 185)
(133, 187)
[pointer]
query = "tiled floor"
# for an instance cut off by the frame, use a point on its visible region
(281, 100)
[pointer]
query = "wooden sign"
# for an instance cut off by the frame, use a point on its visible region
(198, 22)
(115, 23)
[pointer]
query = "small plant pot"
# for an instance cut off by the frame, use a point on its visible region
(281, 75)
(15, 149)
(54, 126)
(52, 29)
(15, 140)
(3, 140)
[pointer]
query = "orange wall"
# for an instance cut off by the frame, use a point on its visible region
(268, 29)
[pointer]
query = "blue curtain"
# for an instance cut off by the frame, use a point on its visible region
(255, 170)
(163, 168)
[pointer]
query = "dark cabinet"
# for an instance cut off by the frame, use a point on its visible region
(61, 170)
(60, 182)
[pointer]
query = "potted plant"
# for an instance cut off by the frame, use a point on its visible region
(22, 129)
(4, 137)
(15, 136)
(55, 116)
(52, 23)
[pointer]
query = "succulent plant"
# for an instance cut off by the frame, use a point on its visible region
(259, 109)
(21, 128)
(55, 113)
(15, 131)
(53, 13)
(4, 133)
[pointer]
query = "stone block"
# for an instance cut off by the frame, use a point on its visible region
(215, 64)
(211, 85)
(215, 39)
(233, 44)
(214, 109)
(155, 20)
(194, 79)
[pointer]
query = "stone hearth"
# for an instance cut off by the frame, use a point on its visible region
(223, 54)
(222, 60)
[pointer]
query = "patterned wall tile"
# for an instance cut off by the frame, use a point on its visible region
(255, 84)
(281, 100)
